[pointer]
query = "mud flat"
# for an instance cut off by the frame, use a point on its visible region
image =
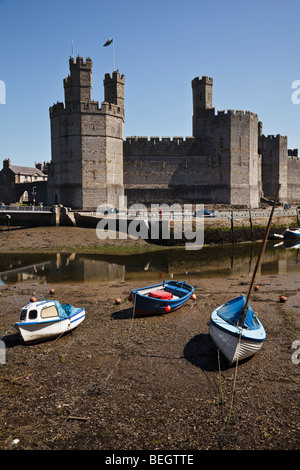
(149, 383)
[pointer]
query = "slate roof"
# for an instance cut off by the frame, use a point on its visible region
(25, 170)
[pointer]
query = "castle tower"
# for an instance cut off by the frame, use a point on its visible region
(87, 142)
(114, 89)
(202, 105)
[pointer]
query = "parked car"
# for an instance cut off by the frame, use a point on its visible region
(206, 213)
(109, 210)
(287, 206)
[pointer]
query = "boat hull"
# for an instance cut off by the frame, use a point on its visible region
(292, 234)
(33, 332)
(234, 342)
(145, 305)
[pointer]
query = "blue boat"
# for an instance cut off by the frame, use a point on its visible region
(292, 233)
(161, 298)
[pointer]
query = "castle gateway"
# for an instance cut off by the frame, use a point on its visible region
(227, 160)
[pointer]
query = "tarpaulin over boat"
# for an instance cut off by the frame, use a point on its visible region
(161, 294)
(232, 311)
(65, 310)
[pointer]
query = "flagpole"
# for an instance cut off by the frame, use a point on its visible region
(113, 53)
(73, 48)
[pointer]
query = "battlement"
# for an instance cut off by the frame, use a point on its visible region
(232, 112)
(79, 63)
(202, 81)
(86, 107)
(293, 153)
(159, 140)
(115, 76)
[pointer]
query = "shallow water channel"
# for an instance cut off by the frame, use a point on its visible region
(209, 262)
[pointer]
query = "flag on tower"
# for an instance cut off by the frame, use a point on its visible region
(108, 42)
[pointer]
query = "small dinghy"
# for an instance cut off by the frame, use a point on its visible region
(40, 321)
(236, 339)
(234, 328)
(292, 233)
(161, 298)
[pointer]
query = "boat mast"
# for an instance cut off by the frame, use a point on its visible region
(259, 258)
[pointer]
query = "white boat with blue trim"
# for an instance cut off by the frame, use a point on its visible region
(234, 327)
(47, 319)
(236, 337)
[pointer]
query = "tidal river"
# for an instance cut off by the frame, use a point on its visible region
(209, 262)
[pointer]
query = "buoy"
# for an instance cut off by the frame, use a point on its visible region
(118, 301)
(282, 298)
(33, 299)
(51, 291)
(130, 297)
(256, 288)
(193, 296)
(167, 308)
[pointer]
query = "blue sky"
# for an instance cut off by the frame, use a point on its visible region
(250, 48)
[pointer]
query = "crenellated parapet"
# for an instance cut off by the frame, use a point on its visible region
(140, 146)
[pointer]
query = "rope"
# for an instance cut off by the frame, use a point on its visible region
(7, 331)
(233, 391)
(109, 375)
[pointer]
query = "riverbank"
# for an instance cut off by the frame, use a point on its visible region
(123, 383)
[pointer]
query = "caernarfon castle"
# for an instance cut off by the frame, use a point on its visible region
(227, 160)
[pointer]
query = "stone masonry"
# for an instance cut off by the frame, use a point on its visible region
(87, 142)
(227, 159)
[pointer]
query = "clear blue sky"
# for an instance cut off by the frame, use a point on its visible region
(250, 48)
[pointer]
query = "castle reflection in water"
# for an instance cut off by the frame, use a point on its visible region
(216, 261)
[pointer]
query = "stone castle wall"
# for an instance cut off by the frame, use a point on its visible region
(87, 142)
(226, 160)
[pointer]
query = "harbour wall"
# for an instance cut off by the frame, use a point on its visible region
(226, 227)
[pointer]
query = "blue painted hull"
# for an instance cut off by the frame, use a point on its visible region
(145, 305)
(292, 234)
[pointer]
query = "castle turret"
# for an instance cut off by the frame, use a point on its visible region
(202, 105)
(78, 84)
(114, 89)
(87, 142)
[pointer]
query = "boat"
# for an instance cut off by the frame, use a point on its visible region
(234, 328)
(47, 319)
(161, 298)
(292, 233)
(236, 339)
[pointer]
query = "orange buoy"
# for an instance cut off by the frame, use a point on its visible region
(118, 301)
(193, 296)
(167, 308)
(282, 299)
(256, 288)
(33, 299)
(51, 291)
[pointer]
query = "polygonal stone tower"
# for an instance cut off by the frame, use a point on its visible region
(87, 142)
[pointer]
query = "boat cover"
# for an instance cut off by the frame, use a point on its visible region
(65, 310)
(231, 312)
(161, 294)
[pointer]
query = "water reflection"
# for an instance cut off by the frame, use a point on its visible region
(217, 261)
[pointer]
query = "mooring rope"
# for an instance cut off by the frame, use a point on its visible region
(109, 375)
(7, 331)
(233, 390)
